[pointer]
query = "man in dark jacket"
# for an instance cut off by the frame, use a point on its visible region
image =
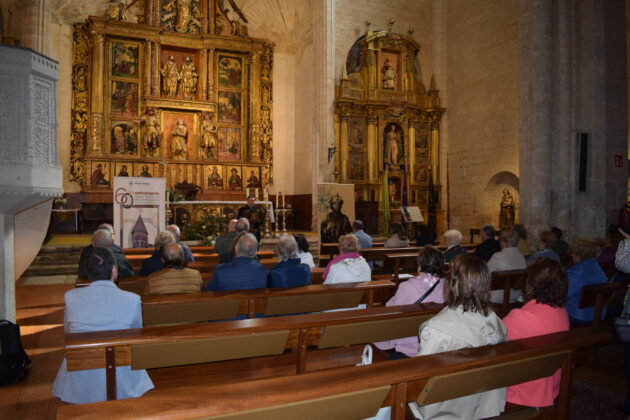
(243, 272)
(486, 249)
(224, 245)
(104, 238)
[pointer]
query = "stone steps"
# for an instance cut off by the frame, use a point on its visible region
(53, 260)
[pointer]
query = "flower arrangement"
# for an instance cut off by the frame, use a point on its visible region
(210, 227)
(60, 202)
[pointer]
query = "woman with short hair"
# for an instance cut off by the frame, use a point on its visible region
(544, 313)
(348, 266)
(465, 322)
(397, 236)
(585, 271)
(305, 256)
(453, 239)
(289, 272)
(546, 245)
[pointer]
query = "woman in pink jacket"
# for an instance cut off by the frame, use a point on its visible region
(544, 313)
(428, 283)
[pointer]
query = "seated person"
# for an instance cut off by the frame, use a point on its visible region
(429, 285)
(174, 277)
(223, 244)
(509, 258)
(465, 322)
(397, 236)
(154, 262)
(562, 247)
(365, 240)
(622, 255)
(305, 256)
(253, 214)
(544, 313)
(523, 245)
(547, 242)
(425, 234)
(585, 271)
(174, 229)
(486, 249)
(348, 266)
(243, 272)
(453, 239)
(104, 238)
(289, 272)
(101, 306)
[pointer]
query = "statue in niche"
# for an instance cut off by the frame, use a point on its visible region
(189, 77)
(393, 147)
(181, 16)
(153, 132)
(178, 140)
(170, 77)
(506, 216)
(389, 75)
(208, 136)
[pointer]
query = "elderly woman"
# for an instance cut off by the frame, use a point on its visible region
(305, 256)
(154, 262)
(397, 236)
(453, 239)
(544, 313)
(427, 286)
(289, 272)
(547, 243)
(585, 271)
(348, 266)
(466, 321)
(523, 245)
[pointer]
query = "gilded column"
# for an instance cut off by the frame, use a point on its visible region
(435, 154)
(411, 169)
(155, 69)
(337, 148)
(371, 63)
(203, 77)
(210, 67)
(255, 106)
(148, 80)
(344, 145)
(372, 146)
(97, 119)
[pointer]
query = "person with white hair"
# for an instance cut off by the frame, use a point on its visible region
(453, 239)
(174, 229)
(154, 262)
(243, 272)
(103, 237)
(348, 266)
(289, 272)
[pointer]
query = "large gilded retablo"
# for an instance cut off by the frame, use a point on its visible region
(164, 88)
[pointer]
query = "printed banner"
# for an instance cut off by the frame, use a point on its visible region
(139, 210)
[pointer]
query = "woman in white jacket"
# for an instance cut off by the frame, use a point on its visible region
(348, 266)
(466, 321)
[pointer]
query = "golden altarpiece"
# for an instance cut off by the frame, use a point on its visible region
(387, 125)
(174, 89)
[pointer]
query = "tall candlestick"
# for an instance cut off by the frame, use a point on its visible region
(284, 204)
(278, 199)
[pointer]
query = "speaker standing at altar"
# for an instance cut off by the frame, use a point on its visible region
(253, 213)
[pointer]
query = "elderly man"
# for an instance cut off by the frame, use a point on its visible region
(289, 272)
(243, 272)
(104, 238)
(154, 262)
(101, 306)
(174, 277)
(174, 229)
(365, 240)
(224, 244)
(486, 249)
(509, 258)
(453, 239)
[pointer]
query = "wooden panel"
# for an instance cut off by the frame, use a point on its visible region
(367, 332)
(172, 313)
(279, 305)
(302, 203)
(352, 405)
(175, 353)
(94, 358)
(472, 381)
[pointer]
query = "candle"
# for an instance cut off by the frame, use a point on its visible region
(284, 204)
(246, 193)
(256, 193)
(278, 199)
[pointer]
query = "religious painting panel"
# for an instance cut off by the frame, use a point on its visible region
(357, 133)
(124, 169)
(229, 143)
(230, 71)
(394, 187)
(393, 143)
(235, 180)
(125, 59)
(252, 177)
(422, 198)
(421, 171)
(229, 107)
(389, 63)
(124, 137)
(146, 170)
(215, 177)
(335, 208)
(100, 175)
(179, 134)
(422, 140)
(184, 16)
(124, 99)
(179, 70)
(356, 164)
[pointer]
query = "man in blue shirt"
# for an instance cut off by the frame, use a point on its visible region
(243, 272)
(365, 240)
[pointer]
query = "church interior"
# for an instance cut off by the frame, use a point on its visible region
(433, 115)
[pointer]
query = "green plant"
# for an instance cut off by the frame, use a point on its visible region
(207, 229)
(175, 195)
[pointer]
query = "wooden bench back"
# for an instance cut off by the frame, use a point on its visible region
(602, 295)
(506, 280)
(196, 249)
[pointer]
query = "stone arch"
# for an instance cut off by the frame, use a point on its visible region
(503, 178)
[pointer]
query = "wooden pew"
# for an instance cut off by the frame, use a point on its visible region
(378, 254)
(601, 296)
(205, 306)
(506, 280)
(202, 261)
(351, 392)
(401, 261)
(158, 347)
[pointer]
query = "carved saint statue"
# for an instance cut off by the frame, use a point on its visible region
(183, 15)
(178, 140)
(392, 142)
(506, 217)
(189, 76)
(208, 136)
(389, 75)
(170, 77)
(153, 132)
